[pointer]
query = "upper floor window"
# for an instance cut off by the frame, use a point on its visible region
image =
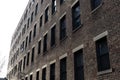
(32, 16)
(103, 61)
(32, 56)
(76, 22)
(28, 21)
(63, 28)
(44, 74)
(24, 62)
(30, 34)
(34, 33)
(26, 42)
(36, 9)
(26, 78)
(37, 75)
(53, 6)
(28, 55)
(46, 14)
(62, 1)
(95, 4)
(31, 77)
(41, 1)
(39, 47)
(53, 36)
(41, 20)
(45, 43)
(52, 71)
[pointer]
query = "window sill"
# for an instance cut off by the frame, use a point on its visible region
(77, 28)
(105, 72)
(94, 10)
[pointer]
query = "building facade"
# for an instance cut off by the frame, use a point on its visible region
(67, 40)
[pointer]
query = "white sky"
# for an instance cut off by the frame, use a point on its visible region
(10, 14)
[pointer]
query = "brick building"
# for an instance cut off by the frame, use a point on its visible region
(67, 40)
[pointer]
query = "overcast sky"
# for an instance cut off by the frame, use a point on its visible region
(10, 14)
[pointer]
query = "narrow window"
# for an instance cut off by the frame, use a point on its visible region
(31, 77)
(41, 1)
(26, 78)
(62, 1)
(28, 21)
(53, 36)
(34, 33)
(24, 62)
(26, 42)
(39, 47)
(30, 34)
(41, 20)
(52, 71)
(63, 71)
(76, 22)
(36, 9)
(44, 74)
(102, 51)
(63, 28)
(95, 4)
(32, 16)
(46, 14)
(32, 56)
(28, 55)
(37, 75)
(53, 6)
(78, 65)
(45, 43)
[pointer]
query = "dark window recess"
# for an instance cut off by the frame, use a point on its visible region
(44, 74)
(41, 1)
(32, 57)
(36, 9)
(37, 75)
(34, 33)
(32, 16)
(22, 47)
(63, 72)
(28, 22)
(76, 22)
(45, 43)
(62, 1)
(52, 71)
(28, 55)
(30, 34)
(53, 6)
(78, 65)
(63, 28)
(53, 36)
(31, 77)
(26, 42)
(95, 4)
(102, 51)
(41, 21)
(39, 47)
(46, 14)
(26, 78)
(24, 62)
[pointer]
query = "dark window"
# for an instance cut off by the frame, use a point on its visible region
(76, 22)
(39, 47)
(26, 78)
(52, 71)
(95, 4)
(53, 6)
(32, 16)
(32, 56)
(62, 1)
(45, 43)
(103, 61)
(46, 14)
(24, 62)
(53, 36)
(30, 34)
(63, 28)
(28, 22)
(41, 1)
(26, 42)
(28, 55)
(44, 74)
(78, 65)
(34, 33)
(36, 9)
(41, 21)
(31, 77)
(37, 75)
(63, 72)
